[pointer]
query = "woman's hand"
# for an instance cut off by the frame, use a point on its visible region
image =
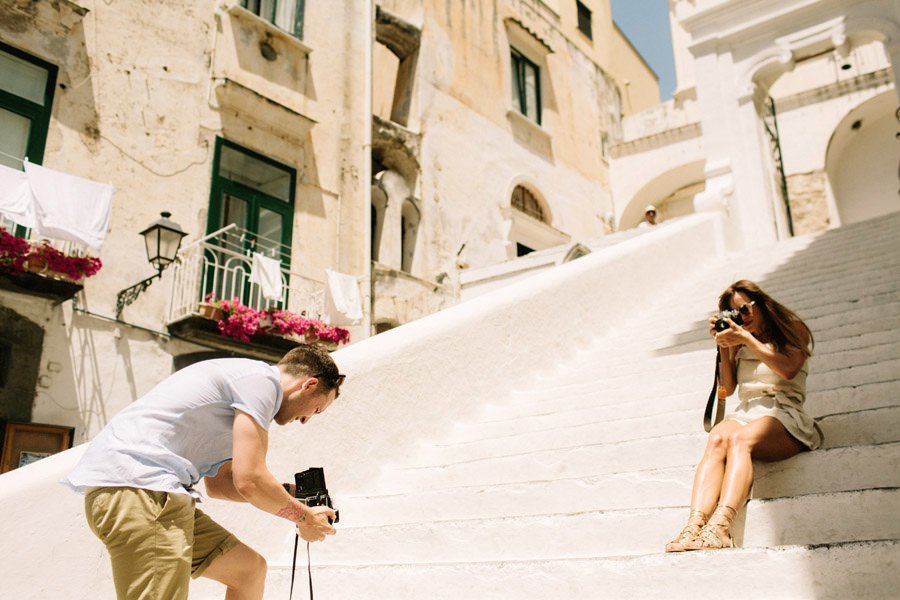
(732, 337)
(735, 335)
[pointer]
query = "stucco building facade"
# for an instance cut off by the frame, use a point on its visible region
(398, 143)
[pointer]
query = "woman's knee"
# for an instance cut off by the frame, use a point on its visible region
(740, 442)
(717, 444)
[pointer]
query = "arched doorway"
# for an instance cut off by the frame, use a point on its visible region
(861, 161)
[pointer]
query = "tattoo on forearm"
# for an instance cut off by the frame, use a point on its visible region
(293, 512)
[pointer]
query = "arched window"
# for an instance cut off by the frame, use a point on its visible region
(409, 229)
(524, 201)
(379, 204)
(529, 220)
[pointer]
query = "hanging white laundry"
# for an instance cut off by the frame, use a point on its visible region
(16, 200)
(266, 273)
(70, 207)
(342, 299)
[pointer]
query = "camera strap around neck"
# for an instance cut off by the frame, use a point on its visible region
(294, 568)
(716, 396)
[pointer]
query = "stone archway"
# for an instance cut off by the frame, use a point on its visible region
(861, 161)
(671, 192)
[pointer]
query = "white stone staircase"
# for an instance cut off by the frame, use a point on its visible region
(571, 487)
(540, 441)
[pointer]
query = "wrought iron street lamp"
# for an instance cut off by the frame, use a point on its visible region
(162, 238)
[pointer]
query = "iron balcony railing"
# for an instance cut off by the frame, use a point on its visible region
(220, 264)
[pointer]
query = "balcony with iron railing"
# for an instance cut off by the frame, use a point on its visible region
(218, 267)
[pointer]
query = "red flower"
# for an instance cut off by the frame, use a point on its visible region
(16, 251)
(242, 322)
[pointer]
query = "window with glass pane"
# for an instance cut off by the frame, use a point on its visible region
(26, 98)
(256, 194)
(584, 20)
(284, 14)
(526, 87)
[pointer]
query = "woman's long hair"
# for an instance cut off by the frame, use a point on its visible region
(779, 322)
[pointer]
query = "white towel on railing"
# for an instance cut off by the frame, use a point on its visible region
(342, 299)
(266, 273)
(16, 200)
(69, 207)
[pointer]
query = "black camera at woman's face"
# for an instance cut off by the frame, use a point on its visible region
(722, 323)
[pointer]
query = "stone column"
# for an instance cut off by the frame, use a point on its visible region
(738, 176)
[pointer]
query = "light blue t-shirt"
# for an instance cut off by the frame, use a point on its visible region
(181, 430)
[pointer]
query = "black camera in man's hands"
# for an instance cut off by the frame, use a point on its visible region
(311, 490)
(722, 323)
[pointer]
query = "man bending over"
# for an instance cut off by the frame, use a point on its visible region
(208, 420)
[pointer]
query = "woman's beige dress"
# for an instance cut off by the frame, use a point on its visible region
(764, 393)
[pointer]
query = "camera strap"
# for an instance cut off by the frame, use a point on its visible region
(294, 568)
(716, 396)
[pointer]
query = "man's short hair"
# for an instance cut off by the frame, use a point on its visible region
(307, 360)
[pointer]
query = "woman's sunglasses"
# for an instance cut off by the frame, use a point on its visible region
(745, 308)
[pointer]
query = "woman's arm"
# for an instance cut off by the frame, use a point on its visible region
(727, 360)
(786, 363)
(728, 369)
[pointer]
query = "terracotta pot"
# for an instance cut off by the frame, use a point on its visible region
(311, 338)
(36, 264)
(210, 311)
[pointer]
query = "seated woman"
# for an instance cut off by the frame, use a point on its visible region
(767, 360)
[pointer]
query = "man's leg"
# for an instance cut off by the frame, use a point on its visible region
(242, 570)
(218, 555)
(148, 536)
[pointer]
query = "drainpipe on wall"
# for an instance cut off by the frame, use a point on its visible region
(368, 283)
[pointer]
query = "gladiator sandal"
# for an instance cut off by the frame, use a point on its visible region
(696, 521)
(716, 534)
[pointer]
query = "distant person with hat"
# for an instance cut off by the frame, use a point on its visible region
(649, 217)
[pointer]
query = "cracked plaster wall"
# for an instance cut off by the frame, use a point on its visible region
(137, 105)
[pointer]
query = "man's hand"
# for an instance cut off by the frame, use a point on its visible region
(313, 525)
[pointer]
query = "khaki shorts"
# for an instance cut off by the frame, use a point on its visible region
(156, 540)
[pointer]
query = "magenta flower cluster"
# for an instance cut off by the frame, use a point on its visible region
(241, 322)
(15, 252)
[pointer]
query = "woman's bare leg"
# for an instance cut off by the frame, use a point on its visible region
(763, 439)
(711, 470)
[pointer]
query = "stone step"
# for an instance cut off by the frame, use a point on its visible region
(586, 460)
(854, 321)
(682, 392)
(819, 471)
(830, 331)
(516, 420)
(872, 426)
(689, 368)
(811, 519)
(862, 397)
(866, 570)
(535, 400)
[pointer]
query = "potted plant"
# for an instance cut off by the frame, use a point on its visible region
(239, 321)
(18, 254)
(13, 251)
(210, 308)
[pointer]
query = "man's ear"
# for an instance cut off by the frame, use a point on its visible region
(310, 384)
